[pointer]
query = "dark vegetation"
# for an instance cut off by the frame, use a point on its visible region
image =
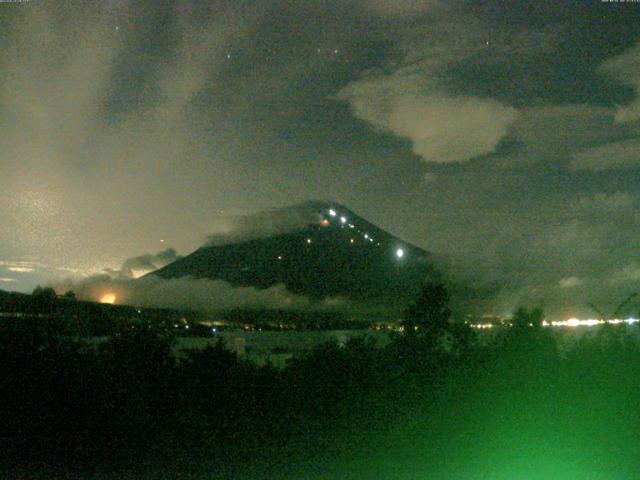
(435, 403)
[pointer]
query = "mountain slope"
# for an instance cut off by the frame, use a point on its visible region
(317, 249)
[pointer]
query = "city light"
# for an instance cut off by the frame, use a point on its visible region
(399, 253)
(343, 219)
(332, 212)
(108, 298)
(570, 323)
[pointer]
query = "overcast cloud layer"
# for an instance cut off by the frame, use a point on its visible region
(503, 137)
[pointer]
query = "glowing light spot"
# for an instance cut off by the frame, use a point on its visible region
(332, 212)
(351, 240)
(308, 240)
(399, 253)
(325, 222)
(366, 236)
(343, 219)
(108, 298)
(279, 257)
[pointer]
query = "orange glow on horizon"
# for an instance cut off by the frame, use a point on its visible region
(108, 298)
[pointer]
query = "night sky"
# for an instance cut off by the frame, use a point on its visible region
(502, 136)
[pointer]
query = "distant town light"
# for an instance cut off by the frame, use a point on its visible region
(399, 253)
(108, 298)
(343, 219)
(308, 240)
(332, 212)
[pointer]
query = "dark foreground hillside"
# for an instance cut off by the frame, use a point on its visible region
(516, 408)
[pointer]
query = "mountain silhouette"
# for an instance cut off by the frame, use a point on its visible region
(317, 249)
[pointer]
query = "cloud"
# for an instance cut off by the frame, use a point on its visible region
(626, 69)
(137, 266)
(269, 222)
(617, 155)
(99, 124)
(190, 294)
(401, 8)
(20, 269)
(441, 128)
(209, 295)
(570, 282)
(617, 202)
(429, 179)
(628, 273)
(413, 97)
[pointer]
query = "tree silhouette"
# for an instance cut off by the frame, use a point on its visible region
(429, 315)
(523, 318)
(45, 293)
(69, 295)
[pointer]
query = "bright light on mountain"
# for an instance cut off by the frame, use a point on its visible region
(399, 253)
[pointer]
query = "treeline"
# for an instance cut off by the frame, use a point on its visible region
(433, 402)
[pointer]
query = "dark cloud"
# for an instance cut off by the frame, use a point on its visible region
(625, 68)
(618, 155)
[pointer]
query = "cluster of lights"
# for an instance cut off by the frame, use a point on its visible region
(344, 221)
(575, 322)
(571, 322)
(400, 253)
